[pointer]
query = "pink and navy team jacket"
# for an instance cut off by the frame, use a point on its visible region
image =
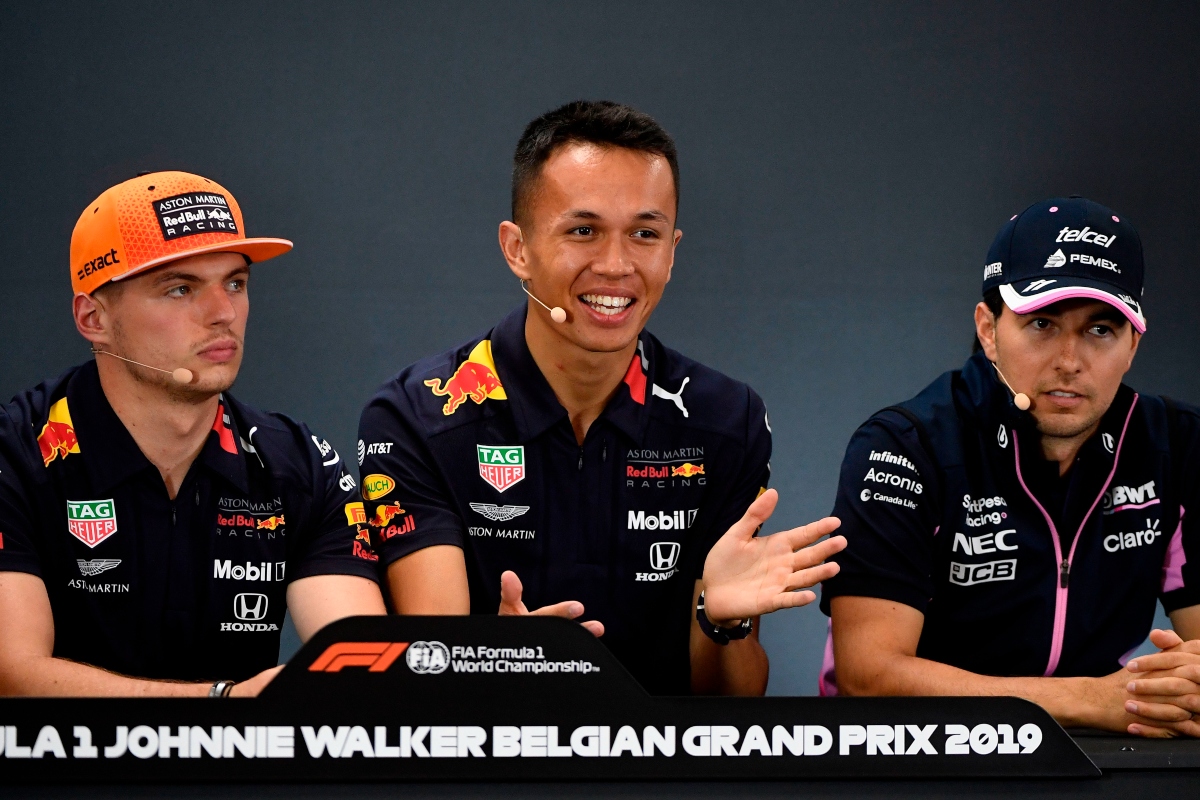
(947, 507)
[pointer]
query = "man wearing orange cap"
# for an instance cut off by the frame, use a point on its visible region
(153, 530)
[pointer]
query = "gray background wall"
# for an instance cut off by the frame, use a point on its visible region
(845, 166)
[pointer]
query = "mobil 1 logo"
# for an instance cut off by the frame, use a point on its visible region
(193, 213)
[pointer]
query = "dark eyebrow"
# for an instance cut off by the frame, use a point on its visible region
(167, 277)
(1110, 315)
(653, 215)
(581, 213)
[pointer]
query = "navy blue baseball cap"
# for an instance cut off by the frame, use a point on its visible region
(1064, 248)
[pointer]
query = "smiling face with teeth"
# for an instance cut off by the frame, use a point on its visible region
(598, 239)
(1069, 357)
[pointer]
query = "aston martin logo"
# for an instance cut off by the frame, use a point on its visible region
(498, 513)
(96, 565)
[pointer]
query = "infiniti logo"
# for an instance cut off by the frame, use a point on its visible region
(250, 607)
(663, 555)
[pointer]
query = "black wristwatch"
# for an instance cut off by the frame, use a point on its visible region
(721, 636)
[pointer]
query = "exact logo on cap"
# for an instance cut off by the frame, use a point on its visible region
(154, 219)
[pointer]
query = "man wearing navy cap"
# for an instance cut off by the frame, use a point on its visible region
(1012, 527)
(567, 459)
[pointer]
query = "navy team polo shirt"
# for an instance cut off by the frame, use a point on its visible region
(471, 448)
(187, 589)
(951, 508)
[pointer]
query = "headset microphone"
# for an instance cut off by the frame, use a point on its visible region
(181, 375)
(556, 313)
(1020, 399)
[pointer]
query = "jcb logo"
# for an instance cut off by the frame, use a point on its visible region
(375, 656)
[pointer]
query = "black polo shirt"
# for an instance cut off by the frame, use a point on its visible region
(471, 448)
(191, 588)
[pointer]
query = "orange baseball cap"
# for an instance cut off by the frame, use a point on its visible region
(154, 219)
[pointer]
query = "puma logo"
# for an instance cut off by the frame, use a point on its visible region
(676, 398)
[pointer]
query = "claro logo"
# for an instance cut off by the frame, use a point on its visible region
(375, 656)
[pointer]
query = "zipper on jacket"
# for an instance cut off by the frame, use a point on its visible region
(1062, 594)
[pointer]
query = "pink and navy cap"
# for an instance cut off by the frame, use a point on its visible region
(1068, 248)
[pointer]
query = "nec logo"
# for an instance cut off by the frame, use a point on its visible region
(250, 607)
(375, 656)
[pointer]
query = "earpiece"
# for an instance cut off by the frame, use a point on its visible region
(556, 313)
(180, 375)
(1020, 399)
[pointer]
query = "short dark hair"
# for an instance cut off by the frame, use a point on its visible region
(995, 304)
(599, 122)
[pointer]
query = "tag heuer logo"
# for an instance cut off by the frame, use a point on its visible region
(91, 521)
(502, 467)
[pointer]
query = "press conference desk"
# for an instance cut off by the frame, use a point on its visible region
(483, 707)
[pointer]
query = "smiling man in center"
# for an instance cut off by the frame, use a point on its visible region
(569, 462)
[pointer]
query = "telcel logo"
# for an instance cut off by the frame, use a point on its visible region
(375, 656)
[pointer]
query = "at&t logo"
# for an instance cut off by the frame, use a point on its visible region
(427, 658)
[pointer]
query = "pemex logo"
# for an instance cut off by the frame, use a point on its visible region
(475, 378)
(91, 521)
(502, 467)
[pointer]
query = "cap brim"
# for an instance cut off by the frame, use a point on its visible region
(257, 250)
(1054, 292)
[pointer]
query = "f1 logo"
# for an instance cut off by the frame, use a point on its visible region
(250, 607)
(663, 555)
(375, 656)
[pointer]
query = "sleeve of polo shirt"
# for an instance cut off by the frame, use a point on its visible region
(1181, 567)
(888, 523)
(407, 502)
(17, 551)
(339, 544)
(753, 477)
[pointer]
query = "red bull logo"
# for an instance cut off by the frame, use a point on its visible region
(409, 525)
(475, 379)
(385, 513)
(236, 521)
(271, 523)
(362, 545)
(58, 434)
(687, 470)
(648, 471)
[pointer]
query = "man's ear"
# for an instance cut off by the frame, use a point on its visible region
(91, 319)
(1137, 339)
(512, 245)
(985, 329)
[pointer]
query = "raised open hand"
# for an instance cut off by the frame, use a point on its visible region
(745, 575)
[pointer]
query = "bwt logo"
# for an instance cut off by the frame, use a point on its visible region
(428, 658)
(250, 607)
(375, 656)
(663, 555)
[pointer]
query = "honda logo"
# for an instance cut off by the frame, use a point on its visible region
(663, 555)
(250, 607)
